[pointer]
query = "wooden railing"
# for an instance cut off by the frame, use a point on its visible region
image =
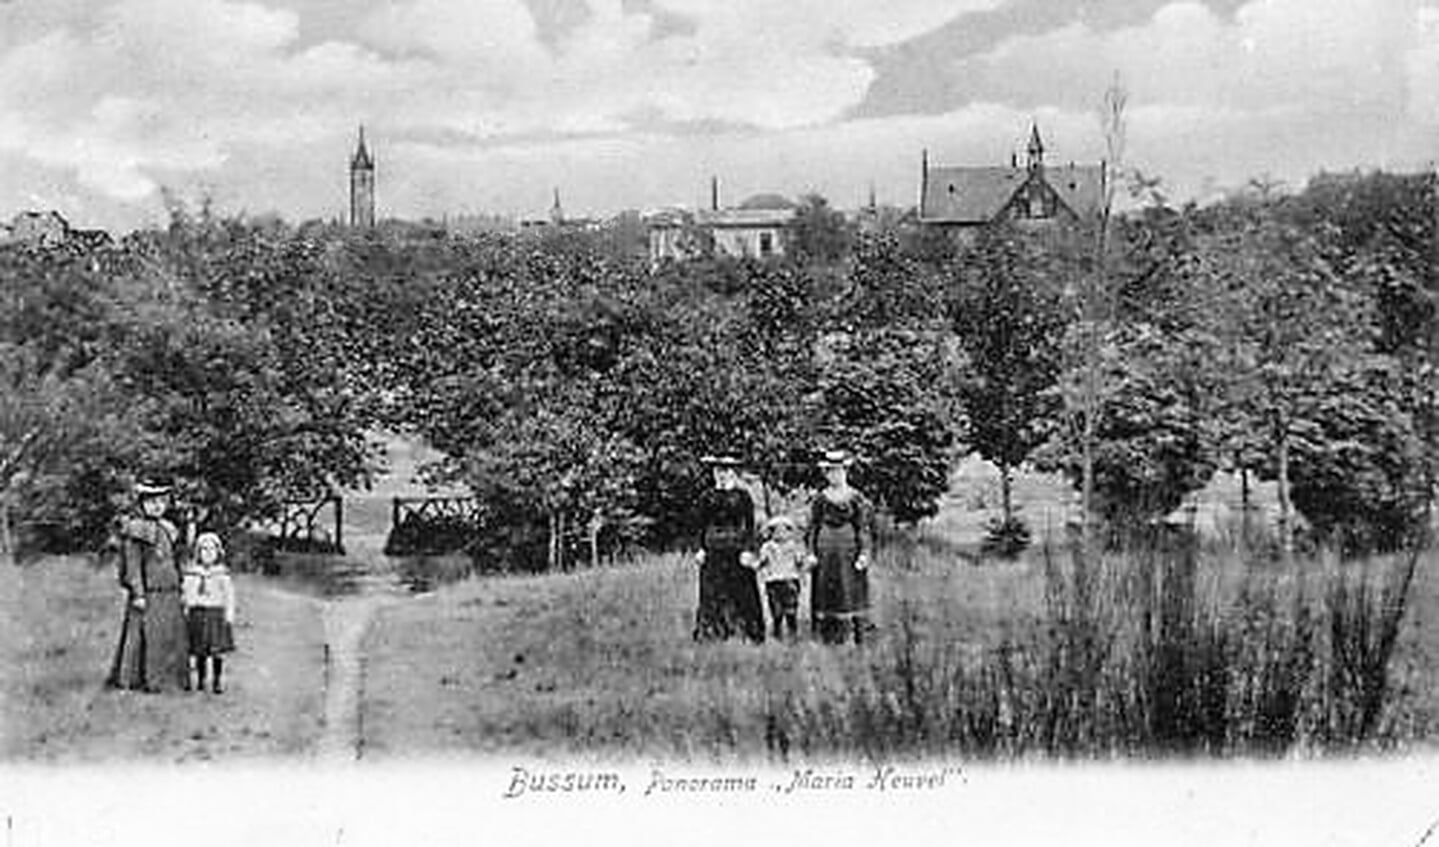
(301, 527)
(432, 525)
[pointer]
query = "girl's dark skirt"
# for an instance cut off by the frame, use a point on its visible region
(210, 633)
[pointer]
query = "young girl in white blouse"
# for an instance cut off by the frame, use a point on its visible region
(209, 598)
(782, 562)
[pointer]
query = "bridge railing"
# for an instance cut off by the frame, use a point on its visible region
(311, 526)
(432, 525)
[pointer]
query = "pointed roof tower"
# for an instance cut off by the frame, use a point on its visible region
(1036, 147)
(361, 160)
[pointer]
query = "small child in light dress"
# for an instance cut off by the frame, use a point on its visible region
(209, 598)
(782, 561)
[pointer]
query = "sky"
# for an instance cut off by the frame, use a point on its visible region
(488, 106)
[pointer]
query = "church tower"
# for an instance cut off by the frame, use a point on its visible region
(557, 212)
(362, 186)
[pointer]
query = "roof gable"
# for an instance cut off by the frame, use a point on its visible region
(977, 195)
(968, 194)
(1080, 187)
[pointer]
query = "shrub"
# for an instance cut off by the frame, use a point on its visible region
(1006, 538)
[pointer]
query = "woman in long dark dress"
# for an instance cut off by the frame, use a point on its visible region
(840, 537)
(153, 653)
(729, 601)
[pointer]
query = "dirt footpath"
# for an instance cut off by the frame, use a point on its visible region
(346, 623)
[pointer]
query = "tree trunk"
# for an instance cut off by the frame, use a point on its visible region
(1091, 403)
(561, 560)
(553, 558)
(1115, 131)
(597, 523)
(1006, 491)
(1286, 519)
(1244, 508)
(7, 542)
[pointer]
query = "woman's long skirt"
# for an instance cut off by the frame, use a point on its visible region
(839, 593)
(153, 653)
(729, 602)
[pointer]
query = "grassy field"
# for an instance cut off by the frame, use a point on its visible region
(600, 663)
(991, 658)
(61, 620)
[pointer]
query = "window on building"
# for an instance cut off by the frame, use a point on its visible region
(766, 243)
(1036, 204)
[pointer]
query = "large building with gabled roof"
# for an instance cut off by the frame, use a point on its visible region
(965, 198)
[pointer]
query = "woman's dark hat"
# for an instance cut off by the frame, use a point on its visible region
(723, 460)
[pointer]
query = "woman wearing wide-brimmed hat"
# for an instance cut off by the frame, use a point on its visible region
(840, 537)
(153, 652)
(729, 602)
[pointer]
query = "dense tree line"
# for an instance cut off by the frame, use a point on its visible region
(1288, 337)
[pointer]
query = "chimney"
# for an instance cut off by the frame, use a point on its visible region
(923, 179)
(714, 194)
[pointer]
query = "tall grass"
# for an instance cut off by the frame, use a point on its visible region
(1173, 652)
(1158, 652)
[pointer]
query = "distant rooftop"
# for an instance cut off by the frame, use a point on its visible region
(975, 195)
(767, 201)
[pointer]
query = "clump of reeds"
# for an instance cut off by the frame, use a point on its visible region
(1162, 651)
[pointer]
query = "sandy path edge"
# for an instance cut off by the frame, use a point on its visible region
(346, 622)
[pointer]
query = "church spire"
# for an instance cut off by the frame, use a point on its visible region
(1036, 147)
(361, 159)
(362, 185)
(557, 212)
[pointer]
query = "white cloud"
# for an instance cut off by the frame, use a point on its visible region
(1331, 54)
(860, 23)
(466, 99)
(499, 34)
(177, 85)
(763, 63)
(159, 85)
(1421, 65)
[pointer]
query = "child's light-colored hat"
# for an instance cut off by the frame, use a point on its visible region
(209, 538)
(721, 460)
(780, 522)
